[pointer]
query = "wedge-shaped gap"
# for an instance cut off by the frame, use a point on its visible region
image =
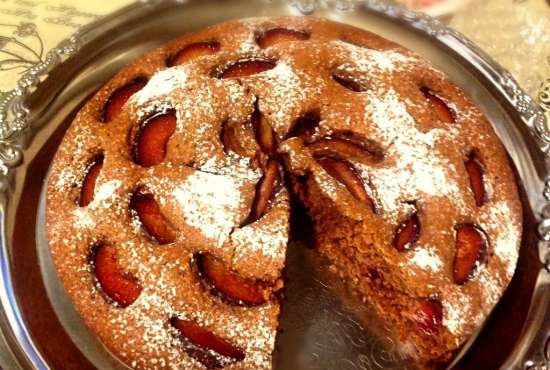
(302, 226)
(245, 67)
(192, 51)
(408, 233)
(279, 35)
(152, 138)
(147, 210)
(204, 346)
(123, 289)
(471, 252)
(476, 174)
(87, 189)
(232, 288)
(441, 109)
(119, 97)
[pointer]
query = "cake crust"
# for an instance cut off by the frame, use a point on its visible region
(354, 86)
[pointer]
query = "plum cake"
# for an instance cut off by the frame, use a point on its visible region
(169, 198)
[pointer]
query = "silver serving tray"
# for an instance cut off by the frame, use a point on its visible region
(41, 330)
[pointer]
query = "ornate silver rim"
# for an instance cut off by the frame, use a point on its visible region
(14, 122)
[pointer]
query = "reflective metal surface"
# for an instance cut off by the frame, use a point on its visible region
(41, 330)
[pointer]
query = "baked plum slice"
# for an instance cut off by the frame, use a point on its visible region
(152, 138)
(154, 222)
(228, 285)
(471, 252)
(87, 189)
(118, 286)
(119, 97)
(476, 171)
(264, 192)
(279, 35)
(349, 82)
(229, 136)
(265, 136)
(429, 316)
(441, 109)
(346, 146)
(407, 233)
(204, 346)
(346, 174)
(246, 67)
(192, 51)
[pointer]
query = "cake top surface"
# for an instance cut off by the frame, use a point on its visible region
(209, 177)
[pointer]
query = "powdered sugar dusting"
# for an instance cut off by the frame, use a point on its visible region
(505, 243)
(328, 184)
(66, 178)
(83, 219)
(360, 59)
(286, 95)
(162, 83)
(270, 241)
(104, 197)
(459, 314)
(268, 236)
(149, 313)
(248, 45)
(210, 203)
(425, 258)
(416, 168)
(106, 190)
(457, 306)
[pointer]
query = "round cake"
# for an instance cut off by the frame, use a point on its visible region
(168, 204)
